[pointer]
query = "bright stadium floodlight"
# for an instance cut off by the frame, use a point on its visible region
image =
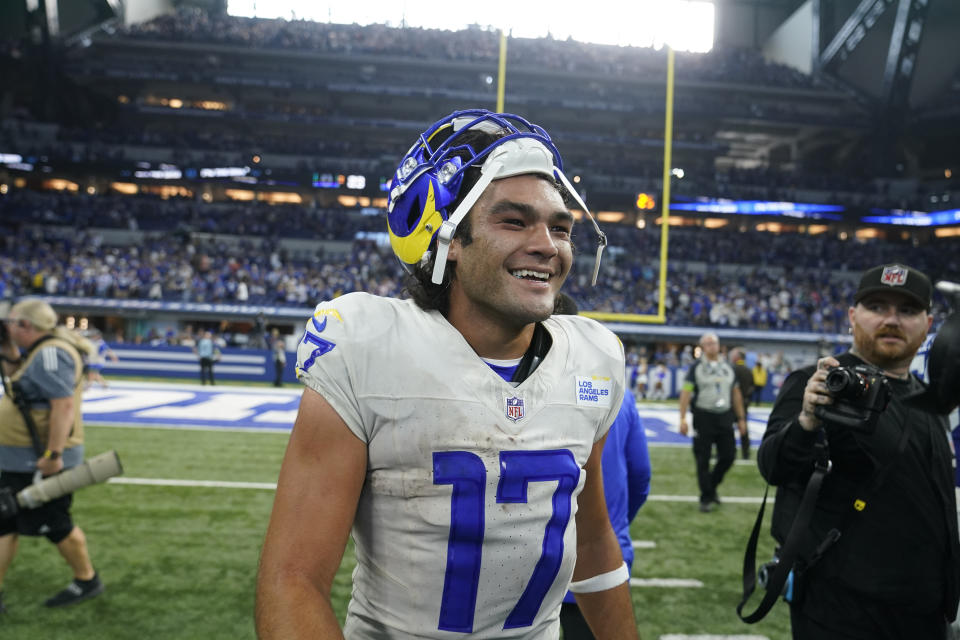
(678, 25)
(684, 25)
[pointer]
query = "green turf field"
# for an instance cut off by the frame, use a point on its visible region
(180, 562)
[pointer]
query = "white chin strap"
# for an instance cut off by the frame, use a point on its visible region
(512, 158)
(449, 226)
(601, 236)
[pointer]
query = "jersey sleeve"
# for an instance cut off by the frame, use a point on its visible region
(324, 362)
(638, 459)
(614, 348)
(786, 452)
(52, 370)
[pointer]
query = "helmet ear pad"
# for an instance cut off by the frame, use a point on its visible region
(418, 213)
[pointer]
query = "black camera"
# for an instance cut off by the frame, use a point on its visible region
(860, 394)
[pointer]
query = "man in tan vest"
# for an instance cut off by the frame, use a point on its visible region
(44, 366)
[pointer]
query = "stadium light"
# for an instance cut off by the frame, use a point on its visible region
(684, 25)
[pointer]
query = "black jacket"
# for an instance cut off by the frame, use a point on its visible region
(902, 546)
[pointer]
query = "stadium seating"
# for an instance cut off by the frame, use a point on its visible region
(245, 252)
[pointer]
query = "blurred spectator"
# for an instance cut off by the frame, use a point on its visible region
(52, 243)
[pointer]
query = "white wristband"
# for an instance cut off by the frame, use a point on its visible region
(602, 582)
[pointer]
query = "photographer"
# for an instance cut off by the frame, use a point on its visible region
(880, 554)
(41, 430)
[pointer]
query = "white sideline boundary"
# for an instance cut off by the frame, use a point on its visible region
(684, 583)
(272, 486)
(680, 636)
(724, 499)
(169, 482)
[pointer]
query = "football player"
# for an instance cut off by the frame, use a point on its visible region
(457, 435)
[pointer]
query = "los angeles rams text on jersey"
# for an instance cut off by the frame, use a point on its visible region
(465, 522)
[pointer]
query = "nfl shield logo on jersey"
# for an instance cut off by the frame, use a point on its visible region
(894, 276)
(514, 408)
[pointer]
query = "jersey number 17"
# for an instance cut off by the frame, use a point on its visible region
(466, 472)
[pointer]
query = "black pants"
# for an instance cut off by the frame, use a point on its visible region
(51, 519)
(712, 429)
(830, 612)
(206, 370)
(278, 368)
(745, 437)
(573, 623)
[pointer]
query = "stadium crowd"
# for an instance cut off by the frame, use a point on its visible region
(627, 162)
(474, 44)
(187, 147)
(58, 244)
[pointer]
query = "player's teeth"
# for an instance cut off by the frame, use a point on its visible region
(526, 273)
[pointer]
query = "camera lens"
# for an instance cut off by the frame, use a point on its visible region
(844, 383)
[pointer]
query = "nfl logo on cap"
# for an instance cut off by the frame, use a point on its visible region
(894, 276)
(514, 408)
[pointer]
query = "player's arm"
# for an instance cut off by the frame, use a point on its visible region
(638, 464)
(738, 410)
(61, 422)
(686, 392)
(320, 482)
(608, 611)
(684, 404)
(787, 451)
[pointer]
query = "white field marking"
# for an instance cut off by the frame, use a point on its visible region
(133, 354)
(220, 484)
(107, 401)
(745, 463)
(189, 386)
(686, 583)
(680, 636)
(644, 544)
(730, 499)
(285, 430)
(188, 367)
(276, 416)
(225, 406)
(170, 482)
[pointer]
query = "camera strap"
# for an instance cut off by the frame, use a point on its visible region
(795, 538)
(21, 402)
(789, 552)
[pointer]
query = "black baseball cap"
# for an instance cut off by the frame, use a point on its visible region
(896, 278)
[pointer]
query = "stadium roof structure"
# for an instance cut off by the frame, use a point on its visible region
(850, 115)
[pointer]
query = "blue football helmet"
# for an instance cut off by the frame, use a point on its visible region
(429, 177)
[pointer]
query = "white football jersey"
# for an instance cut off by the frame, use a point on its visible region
(465, 522)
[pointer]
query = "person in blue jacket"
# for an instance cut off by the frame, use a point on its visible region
(626, 485)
